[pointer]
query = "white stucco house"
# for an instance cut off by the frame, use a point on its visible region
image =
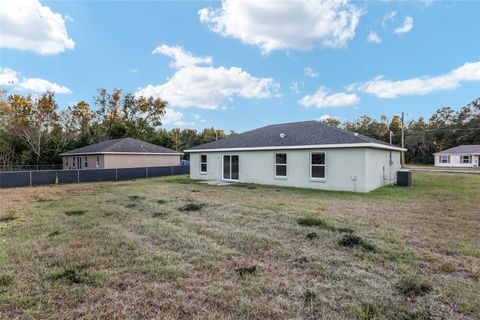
(465, 156)
(307, 154)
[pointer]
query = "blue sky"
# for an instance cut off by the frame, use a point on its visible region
(244, 65)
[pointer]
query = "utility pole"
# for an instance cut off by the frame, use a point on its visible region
(403, 143)
(176, 141)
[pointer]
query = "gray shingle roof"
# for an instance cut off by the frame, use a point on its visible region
(296, 134)
(463, 149)
(124, 145)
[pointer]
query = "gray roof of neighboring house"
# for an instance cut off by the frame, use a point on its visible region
(463, 149)
(303, 133)
(124, 145)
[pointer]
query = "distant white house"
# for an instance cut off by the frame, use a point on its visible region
(467, 156)
(308, 154)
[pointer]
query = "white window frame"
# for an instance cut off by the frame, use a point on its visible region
(85, 164)
(66, 162)
(275, 164)
(318, 165)
(442, 157)
(205, 163)
(463, 156)
(74, 161)
(97, 164)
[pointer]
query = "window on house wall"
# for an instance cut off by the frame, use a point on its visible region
(317, 165)
(466, 159)
(280, 164)
(203, 163)
(74, 162)
(66, 162)
(444, 159)
(98, 162)
(86, 162)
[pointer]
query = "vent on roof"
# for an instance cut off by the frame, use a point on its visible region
(282, 135)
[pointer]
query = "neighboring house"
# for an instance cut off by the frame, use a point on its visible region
(467, 156)
(307, 154)
(120, 153)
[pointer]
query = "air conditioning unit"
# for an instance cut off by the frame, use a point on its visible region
(404, 178)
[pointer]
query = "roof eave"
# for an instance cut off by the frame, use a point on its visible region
(132, 153)
(317, 146)
(471, 153)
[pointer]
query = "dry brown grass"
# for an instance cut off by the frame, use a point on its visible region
(240, 253)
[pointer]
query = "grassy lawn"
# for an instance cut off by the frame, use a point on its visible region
(432, 167)
(172, 248)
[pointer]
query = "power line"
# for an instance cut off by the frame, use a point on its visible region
(436, 130)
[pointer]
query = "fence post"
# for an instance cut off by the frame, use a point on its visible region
(78, 176)
(146, 172)
(171, 169)
(116, 174)
(30, 178)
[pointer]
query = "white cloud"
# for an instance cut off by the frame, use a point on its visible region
(207, 87)
(28, 25)
(8, 76)
(294, 87)
(423, 85)
(427, 3)
(407, 26)
(42, 85)
(310, 72)
(198, 118)
(173, 118)
(37, 85)
(388, 17)
(181, 57)
(276, 25)
(323, 99)
(324, 117)
(374, 37)
(135, 70)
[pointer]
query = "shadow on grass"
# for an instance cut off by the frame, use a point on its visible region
(73, 275)
(413, 287)
(75, 212)
(350, 240)
(313, 221)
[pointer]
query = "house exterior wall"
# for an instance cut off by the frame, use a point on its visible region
(381, 167)
(346, 168)
(90, 159)
(111, 161)
(140, 160)
(455, 161)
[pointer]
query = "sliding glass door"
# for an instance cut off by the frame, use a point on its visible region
(230, 167)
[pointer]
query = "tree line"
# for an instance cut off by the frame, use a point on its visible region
(33, 130)
(445, 129)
